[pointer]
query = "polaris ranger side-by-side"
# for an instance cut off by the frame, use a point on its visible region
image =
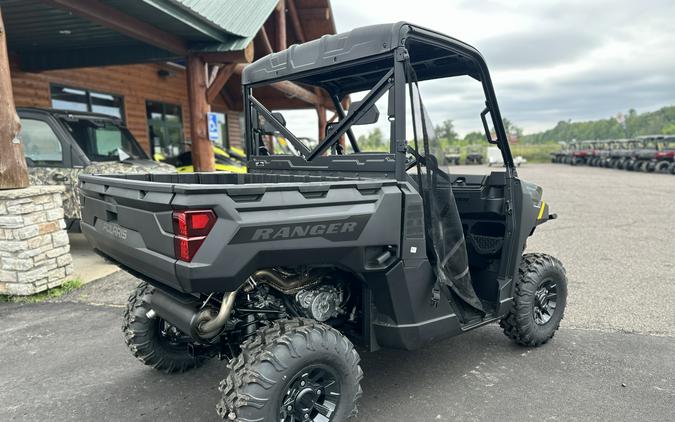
(285, 269)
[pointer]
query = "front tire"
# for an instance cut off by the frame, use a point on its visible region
(294, 370)
(152, 340)
(539, 301)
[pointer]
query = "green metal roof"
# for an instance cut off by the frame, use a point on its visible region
(237, 17)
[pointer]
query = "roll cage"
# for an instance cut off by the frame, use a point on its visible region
(379, 59)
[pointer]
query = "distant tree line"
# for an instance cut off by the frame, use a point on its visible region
(661, 121)
(633, 124)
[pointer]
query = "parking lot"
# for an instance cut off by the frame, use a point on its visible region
(611, 360)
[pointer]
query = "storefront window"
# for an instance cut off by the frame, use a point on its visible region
(165, 127)
(78, 99)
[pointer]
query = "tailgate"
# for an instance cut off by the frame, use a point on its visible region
(130, 221)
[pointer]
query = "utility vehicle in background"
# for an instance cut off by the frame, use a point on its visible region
(645, 155)
(453, 156)
(474, 154)
(664, 161)
(285, 269)
(59, 145)
(230, 160)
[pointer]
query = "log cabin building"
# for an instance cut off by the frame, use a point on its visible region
(159, 65)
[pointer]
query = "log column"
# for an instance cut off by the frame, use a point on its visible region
(202, 151)
(13, 172)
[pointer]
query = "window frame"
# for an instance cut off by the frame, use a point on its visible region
(87, 94)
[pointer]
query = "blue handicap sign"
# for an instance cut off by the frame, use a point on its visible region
(214, 127)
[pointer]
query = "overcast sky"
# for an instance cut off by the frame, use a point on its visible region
(549, 60)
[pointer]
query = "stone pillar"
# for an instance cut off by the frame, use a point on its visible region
(34, 246)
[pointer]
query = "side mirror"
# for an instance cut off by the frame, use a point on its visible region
(371, 116)
(269, 128)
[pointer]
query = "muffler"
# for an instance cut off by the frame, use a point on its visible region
(188, 315)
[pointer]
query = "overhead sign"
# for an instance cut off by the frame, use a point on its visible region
(214, 127)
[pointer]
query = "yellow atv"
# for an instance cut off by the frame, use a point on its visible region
(231, 160)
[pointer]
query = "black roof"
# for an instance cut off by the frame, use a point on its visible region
(72, 114)
(366, 53)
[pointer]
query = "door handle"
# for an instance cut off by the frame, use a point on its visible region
(60, 178)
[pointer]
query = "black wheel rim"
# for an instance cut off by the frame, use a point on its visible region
(545, 301)
(312, 395)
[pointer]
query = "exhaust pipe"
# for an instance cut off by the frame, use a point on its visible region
(186, 315)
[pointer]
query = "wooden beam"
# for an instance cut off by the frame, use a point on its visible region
(219, 82)
(101, 13)
(292, 90)
(318, 13)
(229, 104)
(202, 151)
(295, 21)
(13, 172)
(321, 111)
(262, 42)
(240, 56)
(280, 15)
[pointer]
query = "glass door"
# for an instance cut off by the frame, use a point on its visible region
(165, 127)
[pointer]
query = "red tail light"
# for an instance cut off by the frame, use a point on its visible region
(190, 228)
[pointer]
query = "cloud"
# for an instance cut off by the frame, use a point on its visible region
(549, 60)
(543, 48)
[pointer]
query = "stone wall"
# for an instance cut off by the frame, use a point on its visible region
(34, 246)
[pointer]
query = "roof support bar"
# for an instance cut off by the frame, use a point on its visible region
(340, 112)
(380, 88)
(278, 126)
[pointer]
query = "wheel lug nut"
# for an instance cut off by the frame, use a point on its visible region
(289, 408)
(306, 415)
(318, 392)
(302, 383)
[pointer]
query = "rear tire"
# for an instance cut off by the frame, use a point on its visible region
(295, 369)
(539, 301)
(662, 167)
(148, 338)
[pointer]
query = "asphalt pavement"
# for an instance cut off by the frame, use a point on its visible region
(613, 358)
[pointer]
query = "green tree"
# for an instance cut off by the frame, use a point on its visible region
(669, 130)
(512, 129)
(373, 141)
(473, 137)
(446, 130)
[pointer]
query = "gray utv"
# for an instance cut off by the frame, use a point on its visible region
(286, 269)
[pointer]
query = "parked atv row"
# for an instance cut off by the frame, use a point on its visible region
(651, 153)
(474, 155)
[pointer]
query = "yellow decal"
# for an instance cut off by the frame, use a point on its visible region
(541, 210)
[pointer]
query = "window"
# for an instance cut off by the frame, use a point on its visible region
(78, 99)
(41, 145)
(104, 141)
(165, 126)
